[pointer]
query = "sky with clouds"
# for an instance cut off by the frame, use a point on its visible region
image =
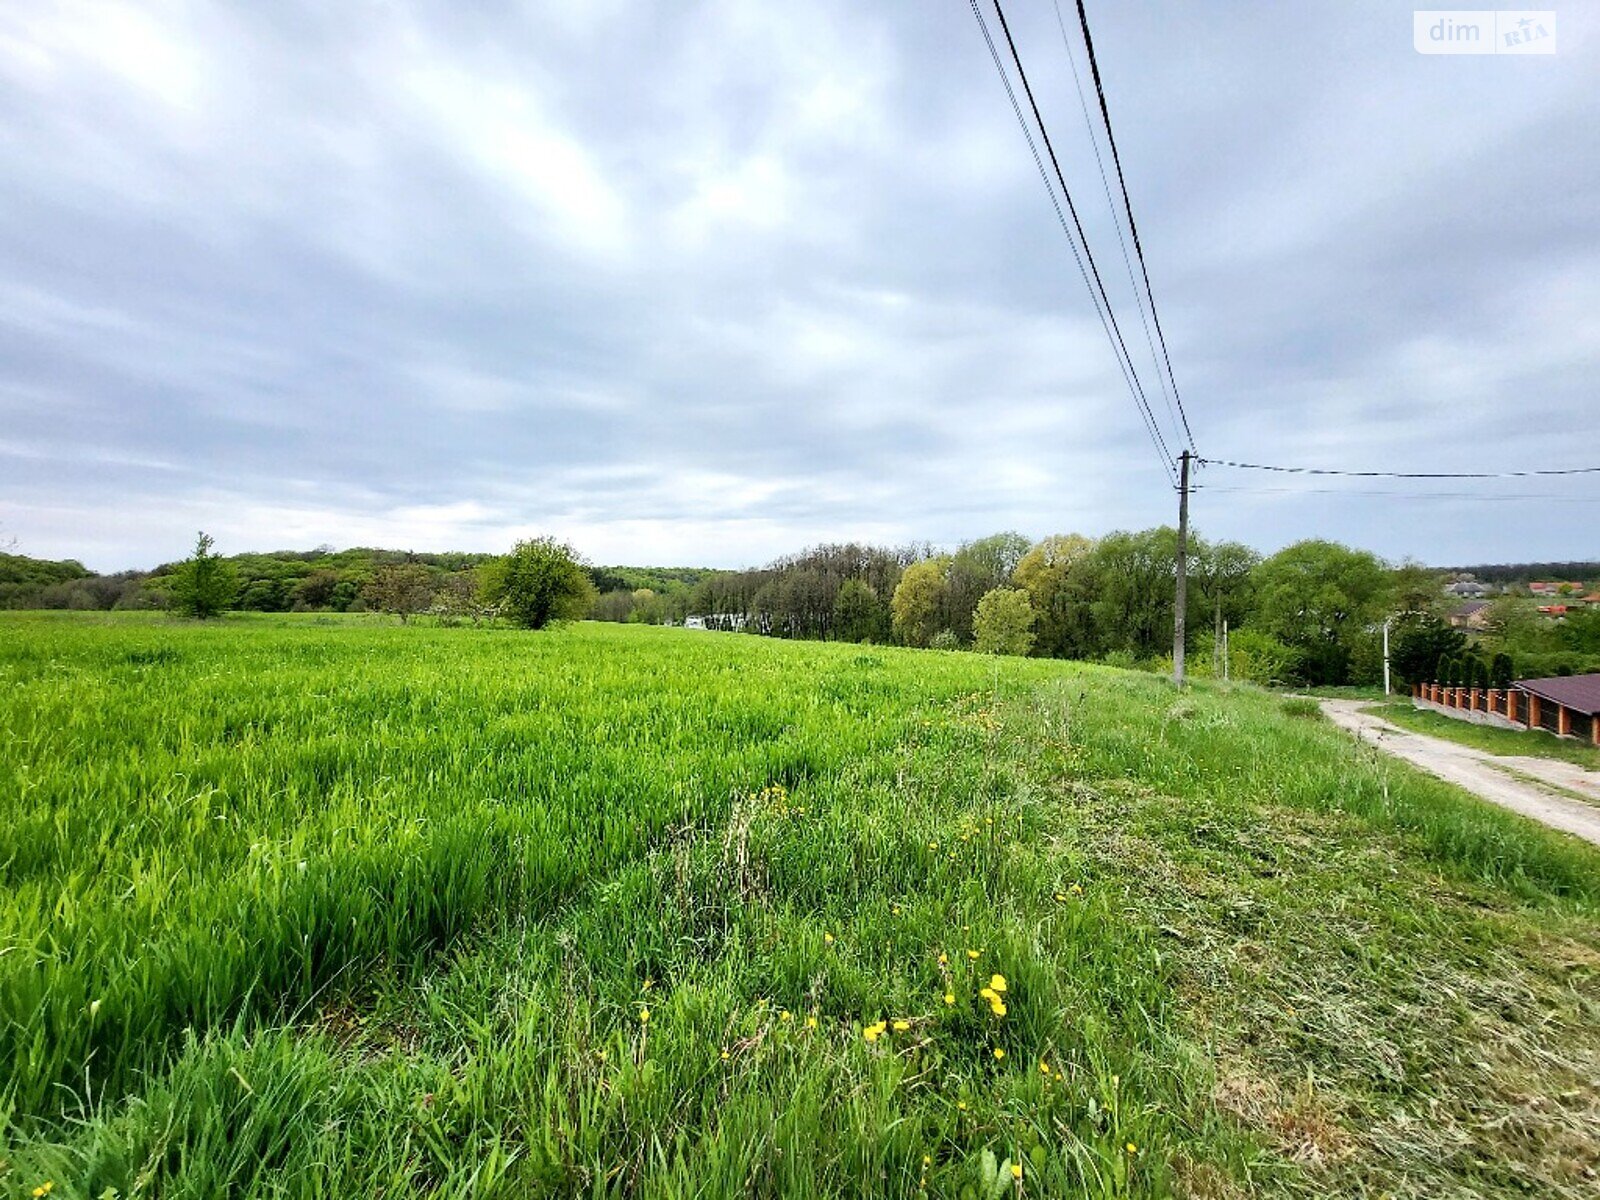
(707, 282)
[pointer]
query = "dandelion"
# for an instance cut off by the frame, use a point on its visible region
(997, 982)
(949, 997)
(1132, 1149)
(901, 1026)
(973, 955)
(726, 1056)
(648, 984)
(644, 1016)
(927, 1160)
(1044, 1067)
(811, 1022)
(1060, 897)
(997, 1007)
(45, 1188)
(786, 1015)
(943, 961)
(1016, 1170)
(827, 938)
(873, 1032)
(962, 1105)
(999, 1053)
(933, 845)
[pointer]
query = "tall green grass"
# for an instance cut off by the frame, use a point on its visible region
(358, 910)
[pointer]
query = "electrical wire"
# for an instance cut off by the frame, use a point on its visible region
(1288, 491)
(1244, 466)
(1097, 291)
(1133, 228)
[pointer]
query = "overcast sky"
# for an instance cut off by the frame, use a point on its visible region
(703, 283)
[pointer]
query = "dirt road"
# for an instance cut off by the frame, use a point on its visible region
(1530, 786)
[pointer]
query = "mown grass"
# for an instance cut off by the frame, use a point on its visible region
(294, 910)
(1534, 743)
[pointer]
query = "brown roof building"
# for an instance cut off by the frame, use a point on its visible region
(1567, 704)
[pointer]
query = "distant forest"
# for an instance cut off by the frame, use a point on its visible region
(1310, 614)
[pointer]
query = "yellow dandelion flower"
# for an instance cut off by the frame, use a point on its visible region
(648, 984)
(997, 982)
(873, 1032)
(998, 1007)
(1061, 897)
(786, 1015)
(45, 1188)
(933, 845)
(901, 1026)
(811, 1022)
(1016, 1170)
(973, 955)
(1132, 1149)
(999, 1053)
(1076, 889)
(726, 1056)
(989, 994)
(943, 961)
(1044, 1067)
(927, 1159)
(827, 938)
(644, 1016)
(949, 997)
(962, 1105)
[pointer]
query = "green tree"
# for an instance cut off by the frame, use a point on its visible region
(918, 604)
(540, 581)
(204, 585)
(1052, 573)
(858, 614)
(1003, 622)
(401, 589)
(1418, 640)
(1319, 597)
(979, 567)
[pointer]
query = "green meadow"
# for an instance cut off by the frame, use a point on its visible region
(296, 907)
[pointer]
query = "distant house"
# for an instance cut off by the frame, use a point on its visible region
(1468, 589)
(1592, 598)
(1555, 588)
(1553, 610)
(1471, 616)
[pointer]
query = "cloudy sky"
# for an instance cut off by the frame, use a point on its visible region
(708, 282)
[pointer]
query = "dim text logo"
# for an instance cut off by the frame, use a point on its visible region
(1483, 31)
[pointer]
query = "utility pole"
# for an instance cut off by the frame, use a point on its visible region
(1181, 601)
(1224, 651)
(1386, 656)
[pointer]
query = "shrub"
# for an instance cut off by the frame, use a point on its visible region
(540, 581)
(203, 585)
(1003, 622)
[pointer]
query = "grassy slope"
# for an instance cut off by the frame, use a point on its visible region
(1487, 738)
(410, 891)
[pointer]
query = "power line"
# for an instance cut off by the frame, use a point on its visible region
(1097, 289)
(1244, 466)
(1116, 158)
(1116, 218)
(1288, 491)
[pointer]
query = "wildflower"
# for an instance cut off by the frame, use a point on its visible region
(997, 1007)
(997, 982)
(1060, 897)
(999, 1053)
(943, 961)
(933, 845)
(989, 994)
(1016, 1170)
(786, 1015)
(648, 984)
(644, 1016)
(962, 1105)
(901, 1026)
(949, 997)
(873, 1032)
(927, 1159)
(45, 1188)
(1076, 889)
(827, 938)
(811, 1022)
(973, 955)
(726, 1056)
(1044, 1067)
(1132, 1149)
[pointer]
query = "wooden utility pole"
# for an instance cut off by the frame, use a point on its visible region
(1179, 615)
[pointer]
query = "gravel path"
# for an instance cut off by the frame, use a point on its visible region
(1527, 791)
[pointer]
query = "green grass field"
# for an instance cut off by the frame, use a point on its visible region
(1509, 742)
(312, 909)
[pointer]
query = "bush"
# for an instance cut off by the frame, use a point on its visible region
(1003, 622)
(539, 582)
(945, 639)
(203, 585)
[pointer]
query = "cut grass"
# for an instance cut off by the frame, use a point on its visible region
(1241, 955)
(1533, 743)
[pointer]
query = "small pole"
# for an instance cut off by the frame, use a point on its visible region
(1181, 600)
(1224, 650)
(1386, 657)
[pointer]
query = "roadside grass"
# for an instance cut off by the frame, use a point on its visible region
(1534, 743)
(615, 911)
